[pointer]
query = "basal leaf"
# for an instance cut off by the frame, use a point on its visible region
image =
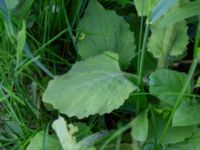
(103, 30)
(140, 127)
(173, 135)
(41, 141)
(170, 41)
(166, 85)
(93, 86)
(142, 6)
(186, 115)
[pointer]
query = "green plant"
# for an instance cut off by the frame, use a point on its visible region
(121, 75)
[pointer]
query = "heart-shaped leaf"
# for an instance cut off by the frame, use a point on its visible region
(103, 30)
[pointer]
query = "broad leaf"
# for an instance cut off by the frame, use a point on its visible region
(41, 141)
(142, 6)
(186, 115)
(192, 143)
(173, 134)
(140, 127)
(181, 13)
(166, 85)
(103, 30)
(170, 41)
(93, 86)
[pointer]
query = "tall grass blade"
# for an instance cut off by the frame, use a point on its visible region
(161, 8)
(188, 10)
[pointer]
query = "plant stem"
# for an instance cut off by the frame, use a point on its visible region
(141, 59)
(140, 73)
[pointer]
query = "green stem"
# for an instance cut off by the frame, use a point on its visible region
(140, 73)
(142, 58)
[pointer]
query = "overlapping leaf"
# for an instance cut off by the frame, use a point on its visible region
(166, 85)
(170, 41)
(140, 127)
(93, 86)
(173, 134)
(192, 143)
(103, 30)
(186, 115)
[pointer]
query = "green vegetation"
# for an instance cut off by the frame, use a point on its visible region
(99, 75)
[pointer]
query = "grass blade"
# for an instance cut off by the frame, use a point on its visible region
(161, 8)
(181, 13)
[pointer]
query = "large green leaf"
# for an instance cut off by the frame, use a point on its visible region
(170, 41)
(166, 85)
(103, 30)
(186, 115)
(41, 141)
(140, 127)
(93, 86)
